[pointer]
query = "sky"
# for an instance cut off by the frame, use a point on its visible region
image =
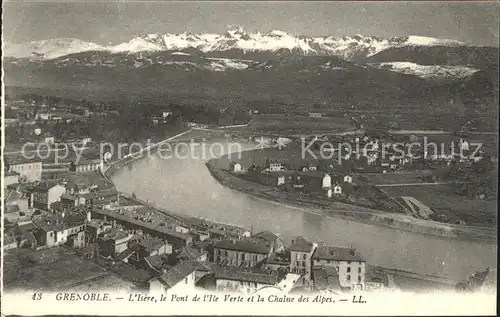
(116, 22)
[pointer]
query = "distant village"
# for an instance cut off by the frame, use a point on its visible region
(366, 174)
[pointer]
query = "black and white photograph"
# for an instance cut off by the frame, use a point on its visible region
(249, 157)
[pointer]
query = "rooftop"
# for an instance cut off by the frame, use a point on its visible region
(13, 196)
(246, 245)
(155, 261)
(154, 226)
(177, 274)
(57, 222)
(151, 244)
(11, 209)
(240, 274)
(267, 236)
(326, 278)
(336, 254)
(131, 273)
(45, 186)
(96, 223)
(68, 196)
(114, 234)
(103, 193)
(299, 244)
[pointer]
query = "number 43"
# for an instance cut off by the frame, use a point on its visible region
(36, 296)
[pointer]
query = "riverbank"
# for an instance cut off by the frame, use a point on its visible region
(351, 212)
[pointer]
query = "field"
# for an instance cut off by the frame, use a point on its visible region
(443, 200)
(298, 124)
(395, 178)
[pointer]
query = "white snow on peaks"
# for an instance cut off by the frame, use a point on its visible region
(277, 33)
(429, 71)
(430, 41)
(181, 53)
(138, 44)
(50, 49)
(347, 47)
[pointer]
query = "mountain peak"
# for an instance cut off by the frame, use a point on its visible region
(235, 31)
(277, 33)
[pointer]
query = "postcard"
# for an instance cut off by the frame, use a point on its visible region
(249, 158)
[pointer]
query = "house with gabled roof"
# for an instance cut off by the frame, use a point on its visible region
(245, 252)
(301, 252)
(348, 263)
(179, 277)
(271, 239)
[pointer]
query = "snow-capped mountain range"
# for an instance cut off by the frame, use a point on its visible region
(236, 50)
(346, 47)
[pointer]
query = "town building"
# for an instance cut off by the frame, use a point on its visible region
(325, 279)
(48, 138)
(21, 191)
(200, 235)
(350, 266)
(236, 167)
(86, 165)
(93, 228)
(192, 253)
(11, 177)
(275, 166)
(272, 179)
(301, 252)
(52, 230)
(113, 242)
(309, 168)
(247, 252)
(147, 226)
(179, 278)
(275, 262)
(329, 192)
(337, 189)
(47, 193)
(231, 279)
(101, 198)
(150, 246)
(327, 181)
(182, 228)
(70, 201)
(29, 170)
(271, 239)
(464, 145)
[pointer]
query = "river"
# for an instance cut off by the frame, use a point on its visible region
(185, 186)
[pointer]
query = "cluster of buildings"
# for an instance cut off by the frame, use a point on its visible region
(27, 193)
(335, 174)
(306, 178)
(29, 111)
(162, 118)
(117, 231)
